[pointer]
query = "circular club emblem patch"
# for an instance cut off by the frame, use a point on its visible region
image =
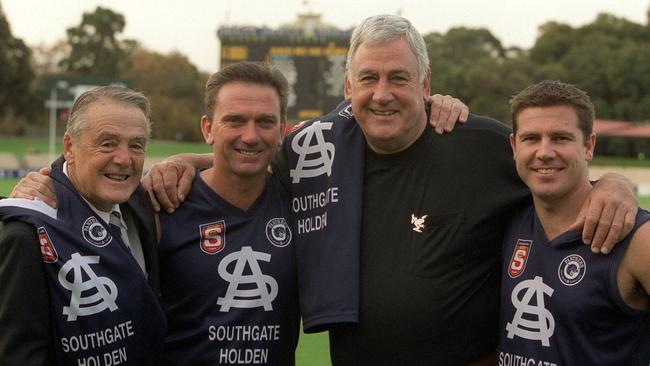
(572, 270)
(278, 232)
(95, 233)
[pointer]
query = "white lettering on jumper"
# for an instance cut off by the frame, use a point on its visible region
(512, 359)
(115, 357)
(313, 223)
(244, 333)
(246, 356)
(316, 200)
(97, 339)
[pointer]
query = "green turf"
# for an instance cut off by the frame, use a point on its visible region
(6, 185)
(22, 145)
(313, 350)
(644, 202)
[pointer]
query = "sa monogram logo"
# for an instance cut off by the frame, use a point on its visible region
(213, 237)
(532, 320)
(321, 152)
(103, 297)
(266, 287)
(519, 258)
(48, 253)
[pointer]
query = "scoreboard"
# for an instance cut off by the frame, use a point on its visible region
(313, 62)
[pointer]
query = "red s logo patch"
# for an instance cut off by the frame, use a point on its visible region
(519, 258)
(213, 237)
(48, 253)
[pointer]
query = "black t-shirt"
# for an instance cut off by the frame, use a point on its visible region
(433, 220)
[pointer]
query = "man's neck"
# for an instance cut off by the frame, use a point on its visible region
(400, 143)
(239, 192)
(556, 215)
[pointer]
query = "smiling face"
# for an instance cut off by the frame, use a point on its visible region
(551, 152)
(105, 161)
(384, 87)
(245, 130)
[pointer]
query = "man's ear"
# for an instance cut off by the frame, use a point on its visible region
(347, 86)
(206, 130)
(513, 145)
(67, 149)
(426, 83)
(283, 127)
(590, 145)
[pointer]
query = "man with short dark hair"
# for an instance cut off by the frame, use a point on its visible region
(89, 295)
(561, 304)
(227, 255)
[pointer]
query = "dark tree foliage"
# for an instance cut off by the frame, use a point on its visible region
(609, 58)
(17, 100)
(94, 45)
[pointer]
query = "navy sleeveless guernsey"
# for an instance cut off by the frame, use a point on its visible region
(229, 280)
(560, 303)
(321, 165)
(102, 309)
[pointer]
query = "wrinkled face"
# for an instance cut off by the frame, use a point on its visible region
(245, 131)
(105, 161)
(387, 95)
(551, 152)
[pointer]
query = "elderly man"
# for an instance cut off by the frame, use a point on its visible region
(398, 230)
(562, 304)
(80, 283)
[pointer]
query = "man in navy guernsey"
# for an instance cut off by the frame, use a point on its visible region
(227, 255)
(561, 304)
(80, 282)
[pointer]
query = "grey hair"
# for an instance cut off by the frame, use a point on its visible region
(381, 29)
(77, 122)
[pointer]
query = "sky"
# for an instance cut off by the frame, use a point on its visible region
(189, 26)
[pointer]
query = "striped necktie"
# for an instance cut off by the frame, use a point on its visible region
(115, 222)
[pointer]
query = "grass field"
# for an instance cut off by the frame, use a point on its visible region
(22, 145)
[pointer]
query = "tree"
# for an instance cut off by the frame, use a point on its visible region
(46, 58)
(16, 80)
(175, 87)
(608, 58)
(94, 46)
(473, 65)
